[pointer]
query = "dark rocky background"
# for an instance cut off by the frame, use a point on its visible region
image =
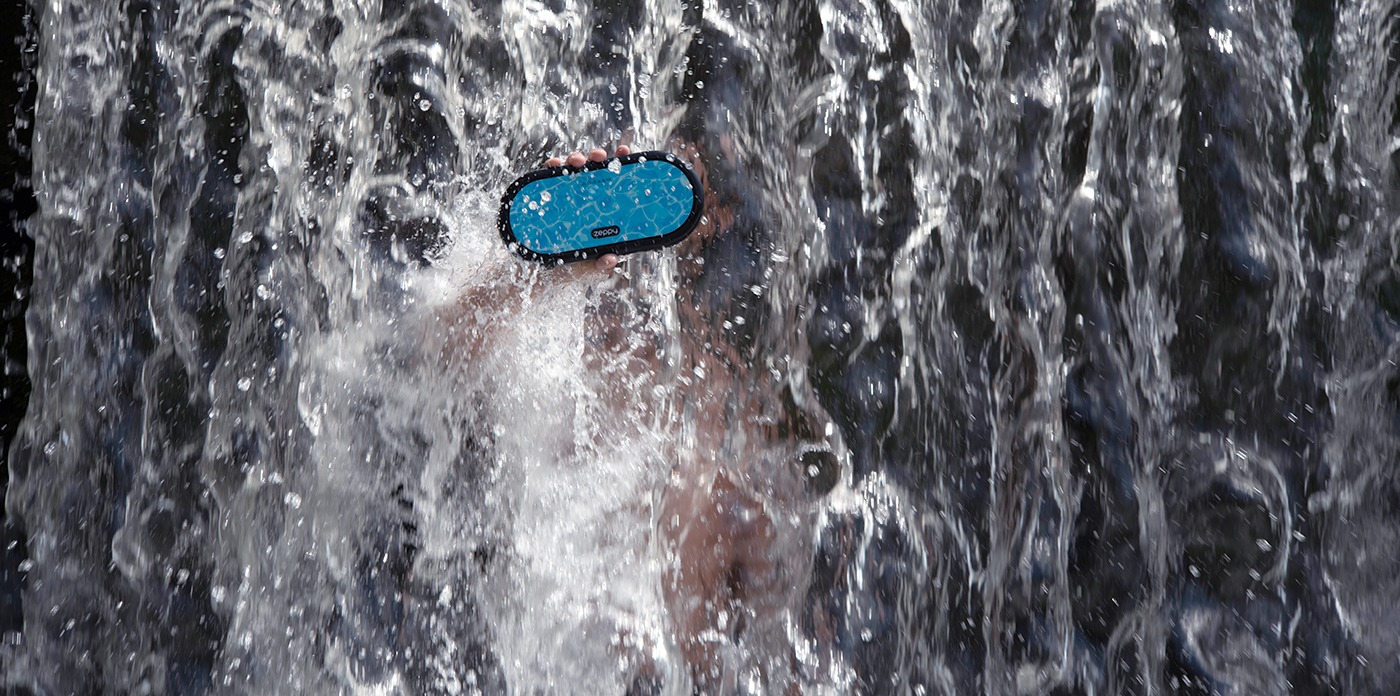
(18, 53)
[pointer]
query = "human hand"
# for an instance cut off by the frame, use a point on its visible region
(608, 262)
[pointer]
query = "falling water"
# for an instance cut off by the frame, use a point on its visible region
(1037, 347)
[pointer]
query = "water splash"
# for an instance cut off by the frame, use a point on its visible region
(1024, 347)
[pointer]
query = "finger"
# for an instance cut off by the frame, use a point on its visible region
(576, 159)
(598, 154)
(602, 265)
(584, 270)
(553, 162)
(623, 150)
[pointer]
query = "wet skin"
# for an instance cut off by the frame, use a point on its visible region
(723, 579)
(725, 582)
(502, 295)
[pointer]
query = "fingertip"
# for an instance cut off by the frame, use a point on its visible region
(576, 159)
(623, 150)
(553, 162)
(608, 262)
(598, 154)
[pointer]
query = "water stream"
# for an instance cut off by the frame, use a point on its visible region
(1027, 348)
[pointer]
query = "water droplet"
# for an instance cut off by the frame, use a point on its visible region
(546, 196)
(245, 384)
(424, 105)
(218, 252)
(615, 166)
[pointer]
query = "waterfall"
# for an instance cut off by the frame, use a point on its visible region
(1025, 347)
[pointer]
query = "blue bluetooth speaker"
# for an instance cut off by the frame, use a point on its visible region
(640, 201)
